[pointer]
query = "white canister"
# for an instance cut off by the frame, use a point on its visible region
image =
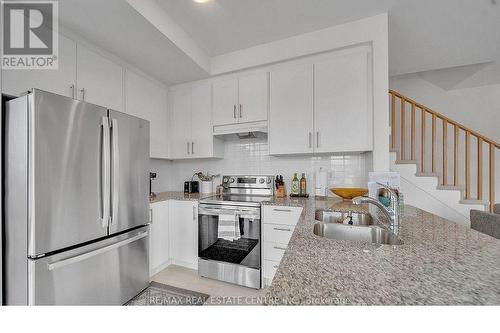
(206, 187)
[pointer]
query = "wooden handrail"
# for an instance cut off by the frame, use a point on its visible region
(443, 167)
(443, 117)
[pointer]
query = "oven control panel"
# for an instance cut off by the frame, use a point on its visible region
(266, 182)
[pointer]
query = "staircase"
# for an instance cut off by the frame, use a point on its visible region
(445, 167)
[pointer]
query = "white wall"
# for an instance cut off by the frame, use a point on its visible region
(163, 171)
(251, 156)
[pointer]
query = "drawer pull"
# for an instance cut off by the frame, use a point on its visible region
(279, 248)
(282, 210)
(282, 229)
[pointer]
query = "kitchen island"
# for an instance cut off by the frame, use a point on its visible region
(439, 263)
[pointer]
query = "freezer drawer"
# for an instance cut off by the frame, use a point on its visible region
(109, 272)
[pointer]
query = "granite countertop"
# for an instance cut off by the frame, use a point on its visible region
(178, 195)
(439, 263)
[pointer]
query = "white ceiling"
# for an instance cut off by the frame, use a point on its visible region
(423, 34)
(222, 26)
(116, 27)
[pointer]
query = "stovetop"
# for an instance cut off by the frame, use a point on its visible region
(249, 190)
(236, 199)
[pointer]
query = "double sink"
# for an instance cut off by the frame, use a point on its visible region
(352, 227)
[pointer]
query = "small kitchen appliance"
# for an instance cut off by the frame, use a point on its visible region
(192, 186)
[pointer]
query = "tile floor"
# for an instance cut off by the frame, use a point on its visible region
(221, 293)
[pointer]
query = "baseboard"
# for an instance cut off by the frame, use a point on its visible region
(185, 264)
(158, 269)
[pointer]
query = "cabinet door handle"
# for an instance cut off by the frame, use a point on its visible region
(151, 216)
(72, 87)
(83, 93)
(241, 114)
(282, 229)
(187, 143)
(280, 248)
(310, 140)
(282, 210)
(194, 213)
(317, 139)
(192, 148)
(275, 266)
(234, 111)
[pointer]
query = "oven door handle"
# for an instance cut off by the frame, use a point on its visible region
(217, 212)
(211, 211)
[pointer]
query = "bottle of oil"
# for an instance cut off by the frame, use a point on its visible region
(295, 185)
(303, 185)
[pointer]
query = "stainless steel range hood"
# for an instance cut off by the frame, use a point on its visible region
(243, 130)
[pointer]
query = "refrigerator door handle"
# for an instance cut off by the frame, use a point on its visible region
(115, 170)
(93, 253)
(105, 181)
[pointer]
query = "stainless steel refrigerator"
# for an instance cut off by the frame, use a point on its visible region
(76, 202)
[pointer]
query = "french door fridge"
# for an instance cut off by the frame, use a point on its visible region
(76, 202)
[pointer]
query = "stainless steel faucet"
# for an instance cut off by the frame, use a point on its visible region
(392, 212)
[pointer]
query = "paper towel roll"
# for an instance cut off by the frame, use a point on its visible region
(321, 187)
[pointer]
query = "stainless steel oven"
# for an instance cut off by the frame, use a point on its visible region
(237, 260)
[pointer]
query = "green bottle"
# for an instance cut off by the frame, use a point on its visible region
(295, 185)
(303, 185)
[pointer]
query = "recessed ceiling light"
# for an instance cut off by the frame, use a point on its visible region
(201, 1)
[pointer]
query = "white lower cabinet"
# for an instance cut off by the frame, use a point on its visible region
(278, 226)
(159, 254)
(183, 216)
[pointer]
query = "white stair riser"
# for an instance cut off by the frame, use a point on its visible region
(428, 185)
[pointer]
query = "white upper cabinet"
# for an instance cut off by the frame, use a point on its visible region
(252, 92)
(61, 81)
(291, 110)
(191, 123)
(148, 100)
(180, 123)
(240, 100)
(99, 79)
(202, 140)
(225, 100)
(343, 112)
(323, 106)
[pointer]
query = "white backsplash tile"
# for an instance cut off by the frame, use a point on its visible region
(250, 156)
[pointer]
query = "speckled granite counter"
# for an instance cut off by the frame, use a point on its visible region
(178, 195)
(440, 262)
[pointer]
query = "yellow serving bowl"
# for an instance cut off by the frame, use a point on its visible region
(348, 193)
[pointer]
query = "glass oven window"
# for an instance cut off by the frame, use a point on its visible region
(244, 251)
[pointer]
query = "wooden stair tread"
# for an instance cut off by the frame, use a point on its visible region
(406, 162)
(474, 202)
(451, 187)
(427, 174)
